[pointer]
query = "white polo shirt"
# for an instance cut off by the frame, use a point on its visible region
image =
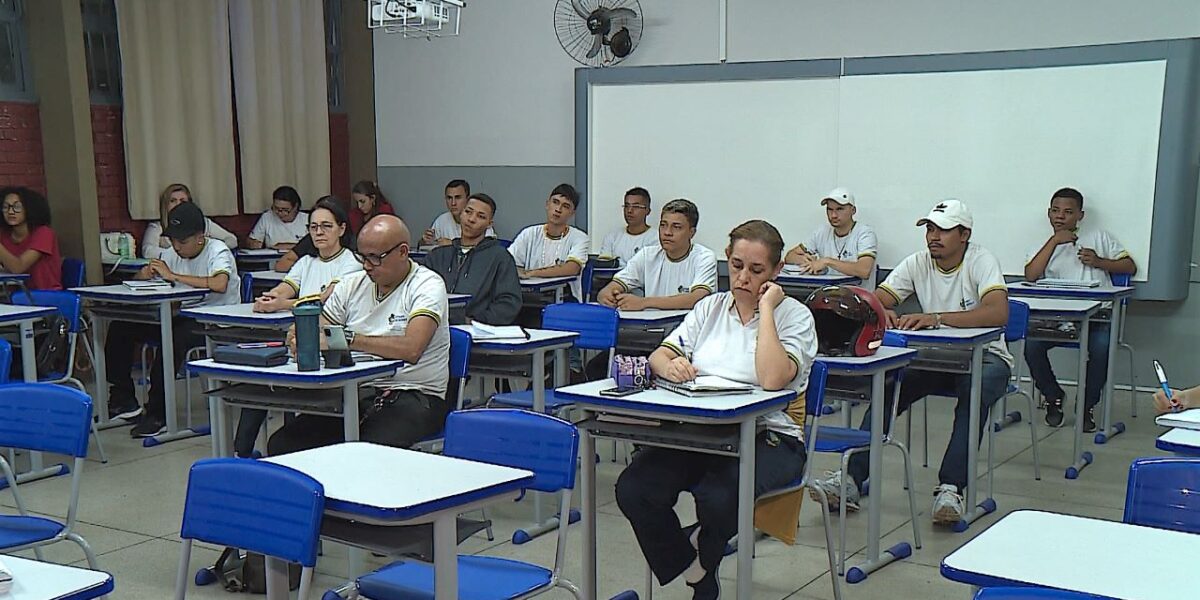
(355, 303)
(860, 242)
(653, 272)
(312, 274)
(271, 230)
(620, 244)
(533, 248)
(1064, 262)
(444, 226)
(960, 289)
(214, 259)
(720, 345)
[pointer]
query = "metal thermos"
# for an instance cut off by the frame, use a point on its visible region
(308, 337)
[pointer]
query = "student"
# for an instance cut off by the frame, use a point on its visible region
(1179, 400)
(27, 243)
(193, 260)
(554, 249)
(369, 201)
(958, 284)
(476, 264)
(624, 243)
(448, 225)
(752, 334)
(845, 247)
(154, 243)
(282, 226)
(1081, 255)
(396, 309)
(305, 246)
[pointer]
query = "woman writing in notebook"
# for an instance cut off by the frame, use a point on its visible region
(1179, 400)
(752, 334)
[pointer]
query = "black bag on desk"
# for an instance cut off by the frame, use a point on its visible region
(251, 357)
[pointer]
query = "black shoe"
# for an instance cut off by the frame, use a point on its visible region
(126, 411)
(148, 426)
(1089, 421)
(1054, 412)
(708, 588)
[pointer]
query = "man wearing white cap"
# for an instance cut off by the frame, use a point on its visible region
(958, 284)
(845, 247)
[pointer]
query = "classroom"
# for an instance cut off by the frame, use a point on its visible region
(599, 299)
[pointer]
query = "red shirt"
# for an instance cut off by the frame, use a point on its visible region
(46, 273)
(357, 216)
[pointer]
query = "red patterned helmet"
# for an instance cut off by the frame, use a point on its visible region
(850, 320)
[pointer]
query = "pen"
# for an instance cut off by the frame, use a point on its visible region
(261, 345)
(683, 345)
(1162, 380)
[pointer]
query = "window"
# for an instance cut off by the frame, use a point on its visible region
(333, 53)
(14, 54)
(103, 53)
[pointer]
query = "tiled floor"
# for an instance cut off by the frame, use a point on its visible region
(131, 508)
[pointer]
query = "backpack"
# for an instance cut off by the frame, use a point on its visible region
(247, 572)
(52, 347)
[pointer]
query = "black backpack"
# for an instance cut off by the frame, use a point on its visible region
(52, 346)
(238, 572)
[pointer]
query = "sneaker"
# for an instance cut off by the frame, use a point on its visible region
(148, 426)
(948, 506)
(708, 588)
(836, 487)
(1054, 412)
(125, 412)
(1089, 420)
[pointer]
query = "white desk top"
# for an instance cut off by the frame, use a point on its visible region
(1180, 440)
(953, 335)
(1105, 558)
(237, 314)
(1102, 292)
(11, 313)
(788, 276)
(537, 338)
(652, 316)
(121, 293)
(545, 282)
(670, 404)
(258, 253)
(382, 482)
(34, 580)
(288, 374)
(886, 357)
(1060, 305)
(14, 276)
(457, 299)
(274, 276)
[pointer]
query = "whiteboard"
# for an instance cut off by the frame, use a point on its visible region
(1000, 140)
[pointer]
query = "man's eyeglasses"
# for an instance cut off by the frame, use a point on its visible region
(286, 210)
(634, 206)
(319, 227)
(377, 259)
(12, 208)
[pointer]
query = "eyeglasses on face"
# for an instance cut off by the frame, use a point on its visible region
(376, 260)
(12, 208)
(318, 227)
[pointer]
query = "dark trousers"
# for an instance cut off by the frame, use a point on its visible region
(1037, 357)
(407, 417)
(120, 344)
(917, 385)
(649, 488)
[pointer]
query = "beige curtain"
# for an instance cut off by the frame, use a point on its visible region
(282, 102)
(178, 102)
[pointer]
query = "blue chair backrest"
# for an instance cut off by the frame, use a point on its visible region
(254, 505)
(1162, 493)
(1121, 279)
(460, 352)
(247, 288)
(596, 325)
(519, 439)
(504, 243)
(5, 360)
(814, 394)
(589, 269)
(1018, 321)
(1029, 593)
(67, 303)
(45, 417)
(73, 273)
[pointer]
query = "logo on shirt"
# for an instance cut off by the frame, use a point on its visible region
(682, 289)
(394, 320)
(966, 303)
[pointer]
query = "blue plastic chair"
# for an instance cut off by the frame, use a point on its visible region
(597, 328)
(460, 360)
(73, 273)
(1162, 493)
(545, 445)
(1014, 333)
(504, 243)
(42, 417)
(5, 360)
(589, 269)
(1029, 593)
(247, 288)
(256, 506)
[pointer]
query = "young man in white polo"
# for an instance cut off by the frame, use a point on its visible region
(625, 243)
(447, 227)
(555, 248)
(396, 309)
(958, 284)
(844, 247)
(1080, 255)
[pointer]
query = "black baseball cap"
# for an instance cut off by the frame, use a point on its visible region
(184, 221)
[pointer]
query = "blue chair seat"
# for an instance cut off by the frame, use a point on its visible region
(841, 439)
(525, 400)
(479, 578)
(19, 531)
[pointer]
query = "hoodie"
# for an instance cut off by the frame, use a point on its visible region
(486, 272)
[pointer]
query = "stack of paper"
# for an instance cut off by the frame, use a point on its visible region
(1068, 283)
(483, 331)
(705, 385)
(150, 285)
(6, 579)
(1188, 419)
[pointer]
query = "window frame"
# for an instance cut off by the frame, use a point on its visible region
(22, 91)
(105, 27)
(335, 73)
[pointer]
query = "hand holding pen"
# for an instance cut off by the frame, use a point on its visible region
(1168, 400)
(680, 369)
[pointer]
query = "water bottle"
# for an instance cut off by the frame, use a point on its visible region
(308, 336)
(123, 247)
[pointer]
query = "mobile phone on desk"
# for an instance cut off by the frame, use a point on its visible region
(335, 337)
(620, 391)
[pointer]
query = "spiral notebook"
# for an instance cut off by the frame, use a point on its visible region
(1188, 419)
(705, 385)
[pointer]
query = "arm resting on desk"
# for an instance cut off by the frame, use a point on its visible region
(408, 347)
(992, 312)
(18, 264)
(566, 269)
(860, 268)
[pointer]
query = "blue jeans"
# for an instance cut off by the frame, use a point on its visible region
(917, 385)
(1036, 356)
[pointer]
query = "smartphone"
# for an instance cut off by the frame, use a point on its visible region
(335, 336)
(620, 391)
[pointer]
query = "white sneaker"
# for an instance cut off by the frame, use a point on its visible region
(948, 507)
(836, 487)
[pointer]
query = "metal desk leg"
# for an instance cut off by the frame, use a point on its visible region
(541, 523)
(167, 356)
(1080, 459)
(277, 579)
(356, 557)
(1108, 429)
(745, 535)
(216, 422)
(445, 557)
(37, 468)
(587, 464)
(975, 510)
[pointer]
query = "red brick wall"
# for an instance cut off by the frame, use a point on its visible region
(21, 161)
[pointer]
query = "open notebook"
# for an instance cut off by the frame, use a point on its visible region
(147, 285)
(1067, 283)
(705, 385)
(1188, 419)
(483, 331)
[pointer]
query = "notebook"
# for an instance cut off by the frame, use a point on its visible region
(6, 579)
(483, 331)
(149, 285)
(1067, 283)
(705, 385)
(1188, 419)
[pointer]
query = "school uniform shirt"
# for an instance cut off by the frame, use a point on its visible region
(860, 242)
(312, 274)
(1064, 262)
(271, 230)
(214, 259)
(154, 243)
(653, 272)
(444, 226)
(356, 304)
(720, 345)
(960, 289)
(621, 244)
(533, 249)
(46, 273)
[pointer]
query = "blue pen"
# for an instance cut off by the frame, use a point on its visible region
(1162, 380)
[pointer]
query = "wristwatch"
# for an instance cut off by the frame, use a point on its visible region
(937, 319)
(349, 338)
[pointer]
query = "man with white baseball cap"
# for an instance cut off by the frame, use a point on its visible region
(844, 247)
(957, 284)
